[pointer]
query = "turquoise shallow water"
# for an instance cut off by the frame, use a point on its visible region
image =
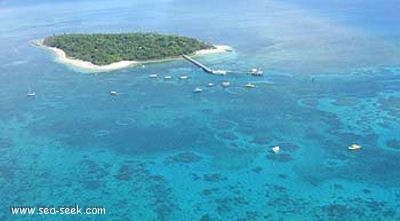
(159, 152)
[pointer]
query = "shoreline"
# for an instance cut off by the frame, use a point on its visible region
(87, 66)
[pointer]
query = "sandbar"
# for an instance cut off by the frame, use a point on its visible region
(90, 67)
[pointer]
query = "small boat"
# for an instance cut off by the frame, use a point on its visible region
(210, 85)
(354, 147)
(183, 77)
(226, 83)
(250, 85)
(276, 149)
(31, 94)
(256, 72)
(219, 72)
(168, 77)
(197, 90)
(113, 93)
(153, 76)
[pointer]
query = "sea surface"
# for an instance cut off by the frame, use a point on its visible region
(157, 151)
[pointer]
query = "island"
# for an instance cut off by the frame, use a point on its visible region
(105, 52)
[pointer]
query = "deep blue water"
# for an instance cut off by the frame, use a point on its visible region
(159, 152)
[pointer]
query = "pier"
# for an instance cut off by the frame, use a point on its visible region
(204, 67)
(200, 65)
(254, 72)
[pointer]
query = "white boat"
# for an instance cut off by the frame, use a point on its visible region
(226, 83)
(113, 93)
(250, 85)
(219, 72)
(256, 72)
(276, 149)
(168, 77)
(30, 93)
(210, 85)
(153, 76)
(197, 90)
(354, 147)
(183, 77)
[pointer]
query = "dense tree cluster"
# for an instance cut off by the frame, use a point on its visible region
(104, 49)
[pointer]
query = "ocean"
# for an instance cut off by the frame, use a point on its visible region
(157, 151)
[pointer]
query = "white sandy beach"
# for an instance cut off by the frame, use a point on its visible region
(90, 67)
(61, 56)
(217, 49)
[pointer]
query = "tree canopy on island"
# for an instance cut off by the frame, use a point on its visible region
(102, 49)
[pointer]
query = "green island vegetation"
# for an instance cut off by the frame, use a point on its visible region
(102, 49)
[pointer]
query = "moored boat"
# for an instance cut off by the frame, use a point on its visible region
(354, 147)
(31, 94)
(276, 149)
(197, 90)
(256, 72)
(226, 83)
(250, 85)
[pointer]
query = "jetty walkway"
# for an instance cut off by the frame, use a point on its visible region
(254, 72)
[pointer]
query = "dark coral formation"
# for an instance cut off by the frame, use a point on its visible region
(261, 139)
(283, 176)
(214, 177)
(227, 205)
(91, 174)
(393, 143)
(205, 217)
(391, 105)
(281, 157)
(345, 101)
(227, 136)
(207, 192)
(355, 209)
(124, 173)
(162, 204)
(6, 143)
(257, 169)
(184, 157)
(152, 187)
(289, 147)
(310, 102)
(223, 124)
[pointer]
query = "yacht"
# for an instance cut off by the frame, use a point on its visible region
(354, 147)
(226, 83)
(197, 90)
(250, 85)
(113, 93)
(168, 77)
(183, 77)
(30, 93)
(276, 149)
(256, 72)
(210, 85)
(153, 76)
